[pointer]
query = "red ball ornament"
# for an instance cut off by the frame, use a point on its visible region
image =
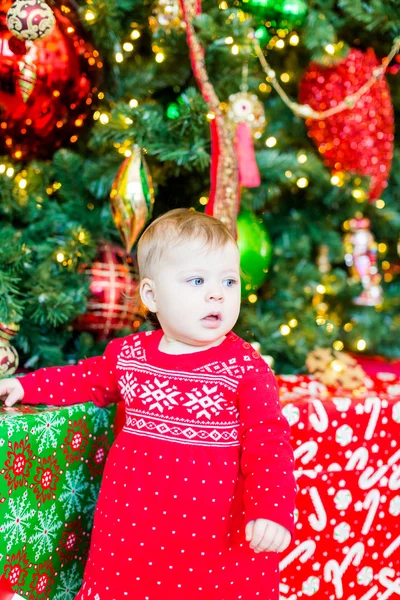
(358, 140)
(30, 19)
(113, 304)
(46, 87)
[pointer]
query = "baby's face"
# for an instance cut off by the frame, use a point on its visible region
(197, 291)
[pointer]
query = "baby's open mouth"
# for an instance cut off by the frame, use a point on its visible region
(212, 317)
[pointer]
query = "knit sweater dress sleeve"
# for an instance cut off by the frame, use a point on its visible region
(267, 461)
(91, 380)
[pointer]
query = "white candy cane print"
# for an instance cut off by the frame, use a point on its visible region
(392, 587)
(370, 477)
(371, 503)
(358, 460)
(303, 552)
(394, 479)
(317, 522)
(333, 572)
(371, 593)
(319, 421)
(306, 452)
(284, 589)
(392, 547)
(315, 388)
(372, 405)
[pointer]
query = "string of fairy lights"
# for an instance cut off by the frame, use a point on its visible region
(278, 42)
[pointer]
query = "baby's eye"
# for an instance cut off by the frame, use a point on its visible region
(196, 281)
(230, 282)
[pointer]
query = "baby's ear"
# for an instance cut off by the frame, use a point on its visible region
(147, 294)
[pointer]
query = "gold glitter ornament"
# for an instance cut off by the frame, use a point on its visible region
(132, 198)
(167, 15)
(30, 19)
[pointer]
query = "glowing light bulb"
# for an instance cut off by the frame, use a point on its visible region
(302, 182)
(271, 142)
(284, 329)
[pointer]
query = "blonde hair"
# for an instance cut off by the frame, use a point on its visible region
(174, 228)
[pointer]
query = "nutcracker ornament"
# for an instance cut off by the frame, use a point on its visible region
(361, 252)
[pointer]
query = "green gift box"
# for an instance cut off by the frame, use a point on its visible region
(51, 463)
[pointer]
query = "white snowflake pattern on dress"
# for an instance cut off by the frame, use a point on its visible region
(206, 401)
(159, 394)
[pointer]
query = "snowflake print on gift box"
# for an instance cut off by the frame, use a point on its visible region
(98, 455)
(13, 426)
(17, 520)
(69, 584)
(90, 504)
(16, 568)
(74, 490)
(47, 476)
(71, 543)
(76, 440)
(100, 417)
(18, 464)
(42, 581)
(46, 530)
(47, 429)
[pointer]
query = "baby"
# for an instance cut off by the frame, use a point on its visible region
(198, 491)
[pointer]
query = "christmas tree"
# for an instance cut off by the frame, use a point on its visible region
(117, 116)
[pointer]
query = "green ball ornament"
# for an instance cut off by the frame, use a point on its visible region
(268, 9)
(255, 249)
(173, 111)
(293, 13)
(262, 34)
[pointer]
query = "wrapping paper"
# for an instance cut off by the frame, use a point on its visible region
(347, 448)
(51, 462)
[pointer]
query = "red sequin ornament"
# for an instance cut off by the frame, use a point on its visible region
(358, 140)
(46, 86)
(112, 304)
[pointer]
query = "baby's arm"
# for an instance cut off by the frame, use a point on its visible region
(267, 461)
(93, 379)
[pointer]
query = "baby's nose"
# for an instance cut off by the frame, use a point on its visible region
(216, 293)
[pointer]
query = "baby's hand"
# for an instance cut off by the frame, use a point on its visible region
(267, 536)
(11, 391)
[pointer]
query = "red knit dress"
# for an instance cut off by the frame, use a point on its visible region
(204, 450)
